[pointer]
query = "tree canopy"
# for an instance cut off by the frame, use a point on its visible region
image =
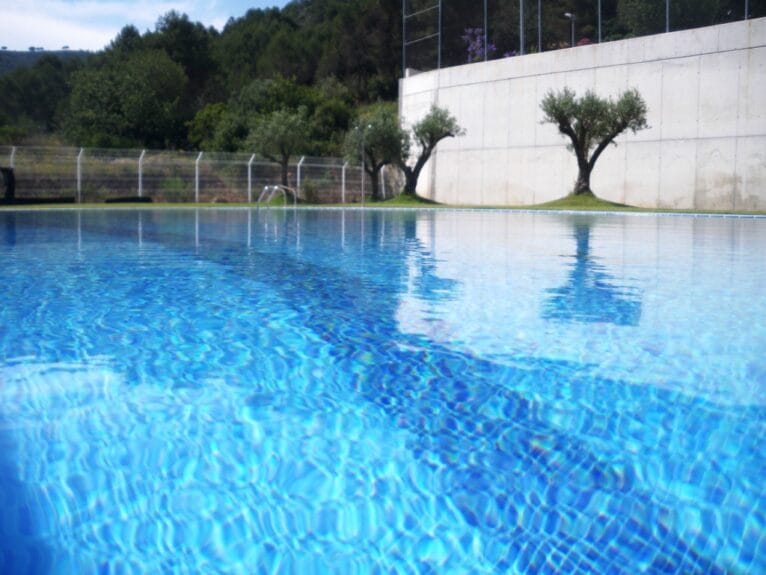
(133, 101)
(592, 123)
(280, 135)
(374, 141)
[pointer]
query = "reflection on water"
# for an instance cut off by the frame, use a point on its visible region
(361, 391)
(590, 293)
(427, 284)
(8, 224)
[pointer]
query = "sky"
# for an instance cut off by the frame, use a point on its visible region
(92, 24)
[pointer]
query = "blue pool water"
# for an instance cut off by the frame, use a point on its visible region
(328, 391)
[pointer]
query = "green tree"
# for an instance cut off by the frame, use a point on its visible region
(287, 54)
(188, 44)
(33, 95)
(128, 101)
(238, 48)
(327, 109)
(358, 42)
(231, 132)
(263, 96)
(375, 140)
(432, 129)
(592, 123)
(329, 123)
(127, 41)
(204, 127)
(279, 135)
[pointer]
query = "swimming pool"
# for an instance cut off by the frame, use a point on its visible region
(347, 391)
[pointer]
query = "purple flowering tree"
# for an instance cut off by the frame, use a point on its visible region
(474, 41)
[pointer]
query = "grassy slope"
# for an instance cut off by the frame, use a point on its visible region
(584, 202)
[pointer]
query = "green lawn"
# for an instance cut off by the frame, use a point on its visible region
(577, 203)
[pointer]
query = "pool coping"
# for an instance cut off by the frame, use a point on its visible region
(545, 211)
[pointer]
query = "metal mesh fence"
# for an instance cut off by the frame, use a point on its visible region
(442, 33)
(99, 175)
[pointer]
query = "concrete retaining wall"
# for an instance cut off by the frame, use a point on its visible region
(705, 148)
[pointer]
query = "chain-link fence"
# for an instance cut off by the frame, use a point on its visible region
(98, 175)
(442, 33)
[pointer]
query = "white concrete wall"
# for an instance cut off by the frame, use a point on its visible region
(706, 146)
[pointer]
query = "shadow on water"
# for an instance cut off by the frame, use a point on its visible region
(590, 293)
(8, 223)
(22, 552)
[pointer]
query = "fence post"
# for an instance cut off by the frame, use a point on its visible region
(13, 155)
(383, 181)
(196, 178)
(343, 183)
(362, 182)
(79, 176)
(521, 28)
(298, 186)
(141, 173)
(250, 179)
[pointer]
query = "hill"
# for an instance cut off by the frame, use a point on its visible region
(13, 59)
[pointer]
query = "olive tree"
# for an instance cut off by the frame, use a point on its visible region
(375, 140)
(592, 123)
(426, 133)
(279, 135)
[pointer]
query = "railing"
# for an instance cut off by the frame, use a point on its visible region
(268, 193)
(98, 175)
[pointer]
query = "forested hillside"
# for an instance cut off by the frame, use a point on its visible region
(10, 60)
(185, 86)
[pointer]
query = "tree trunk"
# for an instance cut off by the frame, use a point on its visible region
(285, 166)
(9, 179)
(410, 182)
(582, 185)
(375, 185)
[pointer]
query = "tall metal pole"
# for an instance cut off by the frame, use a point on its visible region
(196, 177)
(540, 26)
(599, 21)
(747, 10)
(364, 133)
(383, 182)
(343, 184)
(521, 27)
(250, 179)
(141, 173)
(79, 175)
(298, 170)
(572, 18)
(485, 30)
(571, 28)
(667, 15)
(439, 55)
(404, 38)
